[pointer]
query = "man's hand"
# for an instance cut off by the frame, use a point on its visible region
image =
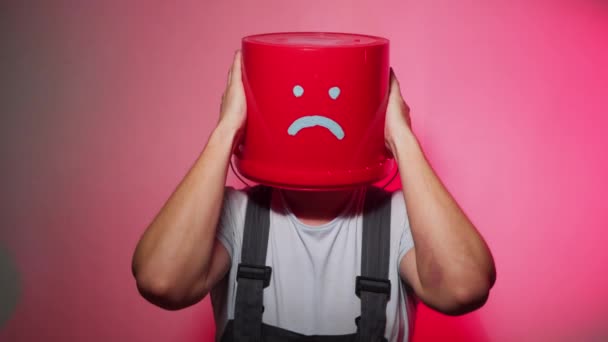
(398, 121)
(233, 110)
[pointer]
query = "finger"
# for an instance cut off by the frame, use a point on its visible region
(395, 87)
(235, 71)
(229, 80)
(232, 68)
(222, 103)
(395, 90)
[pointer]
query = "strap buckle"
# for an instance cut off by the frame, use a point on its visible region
(369, 284)
(255, 272)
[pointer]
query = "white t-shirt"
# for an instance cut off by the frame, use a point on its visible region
(312, 288)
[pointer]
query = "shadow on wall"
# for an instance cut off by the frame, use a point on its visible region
(432, 326)
(9, 287)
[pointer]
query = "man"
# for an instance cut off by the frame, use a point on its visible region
(195, 241)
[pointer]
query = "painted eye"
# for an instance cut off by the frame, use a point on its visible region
(298, 91)
(334, 92)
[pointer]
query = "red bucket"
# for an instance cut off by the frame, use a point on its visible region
(316, 105)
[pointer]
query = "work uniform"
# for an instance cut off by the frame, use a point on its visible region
(310, 293)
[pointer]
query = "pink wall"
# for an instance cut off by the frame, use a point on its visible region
(109, 104)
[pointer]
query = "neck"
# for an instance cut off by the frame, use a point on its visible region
(316, 208)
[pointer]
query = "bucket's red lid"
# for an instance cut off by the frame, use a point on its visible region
(315, 39)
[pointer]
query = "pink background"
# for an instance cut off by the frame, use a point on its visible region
(106, 105)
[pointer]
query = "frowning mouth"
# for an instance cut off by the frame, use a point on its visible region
(316, 120)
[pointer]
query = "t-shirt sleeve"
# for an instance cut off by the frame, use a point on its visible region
(231, 220)
(399, 214)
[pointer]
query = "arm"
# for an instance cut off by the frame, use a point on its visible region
(450, 268)
(178, 259)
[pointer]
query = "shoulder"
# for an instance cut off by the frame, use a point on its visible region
(400, 223)
(399, 213)
(233, 207)
(234, 198)
(398, 201)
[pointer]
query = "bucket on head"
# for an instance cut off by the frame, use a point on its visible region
(316, 105)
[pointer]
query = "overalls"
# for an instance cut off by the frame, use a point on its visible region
(372, 287)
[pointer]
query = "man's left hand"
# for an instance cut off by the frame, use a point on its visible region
(398, 122)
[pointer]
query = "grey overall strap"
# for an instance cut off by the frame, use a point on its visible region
(253, 275)
(373, 286)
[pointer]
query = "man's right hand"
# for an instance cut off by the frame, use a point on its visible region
(233, 110)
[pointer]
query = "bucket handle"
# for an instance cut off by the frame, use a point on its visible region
(237, 174)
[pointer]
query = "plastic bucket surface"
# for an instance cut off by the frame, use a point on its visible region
(316, 106)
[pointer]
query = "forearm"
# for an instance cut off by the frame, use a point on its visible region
(176, 248)
(452, 260)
